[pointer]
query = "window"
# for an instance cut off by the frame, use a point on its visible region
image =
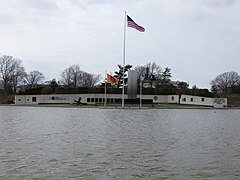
(53, 98)
(88, 99)
(27, 99)
(19, 99)
(92, 99)
(184, 99)
(34, 99)
(96, 100)
(172, 98)
(191, 99)
(202, 99)
(100, 100)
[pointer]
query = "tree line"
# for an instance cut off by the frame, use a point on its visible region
(13, 77)
(155, 80)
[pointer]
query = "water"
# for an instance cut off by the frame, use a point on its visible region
(74, 143)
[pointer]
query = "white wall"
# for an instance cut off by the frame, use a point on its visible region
(219, 102)
(61, 98)
(90, 99)
(162, 98)
(196, 100)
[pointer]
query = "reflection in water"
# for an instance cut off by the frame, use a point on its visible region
(58, 143)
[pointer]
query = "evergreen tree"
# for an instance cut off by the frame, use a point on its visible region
(120, 75)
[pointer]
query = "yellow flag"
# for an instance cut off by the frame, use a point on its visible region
(112, 80)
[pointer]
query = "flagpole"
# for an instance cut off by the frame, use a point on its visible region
(141, 84)
(105, 89)
(124, 56)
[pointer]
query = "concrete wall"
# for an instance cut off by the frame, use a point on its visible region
(219, 102)
(64, 98)
(52, 99)
(99, 98)
(196, 100)
(173, 99)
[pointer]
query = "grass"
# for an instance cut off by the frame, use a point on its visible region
(151, 106)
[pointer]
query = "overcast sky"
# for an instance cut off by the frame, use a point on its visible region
(197, 39)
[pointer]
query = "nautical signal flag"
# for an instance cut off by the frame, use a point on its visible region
(112, 79)
(132, 24)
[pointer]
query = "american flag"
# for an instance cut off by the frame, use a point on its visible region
(134, 25)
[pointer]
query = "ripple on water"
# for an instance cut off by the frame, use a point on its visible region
(58, 143)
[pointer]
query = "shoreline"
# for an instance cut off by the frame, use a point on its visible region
(131, 106)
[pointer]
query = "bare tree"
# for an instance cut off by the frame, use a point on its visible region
(18, 76)
(89, 80)
(34, 78)
(71, 76)
(151, 72)
(141, 70)
(154, 69)
(74, 76)
(66, 77)
(9, 71)
(225, 82)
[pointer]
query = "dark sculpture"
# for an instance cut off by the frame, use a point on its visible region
(78, 102)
